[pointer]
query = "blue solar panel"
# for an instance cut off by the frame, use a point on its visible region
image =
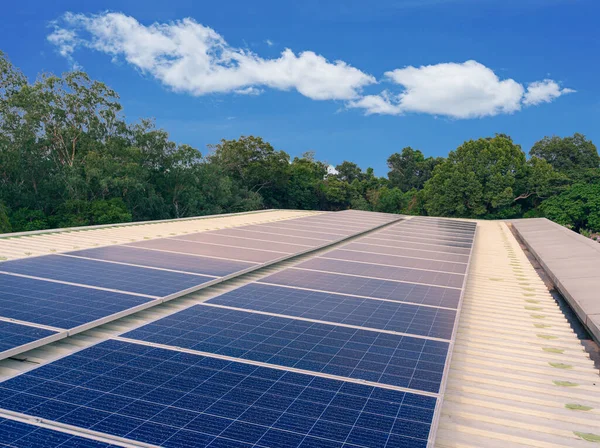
(58, 305)
(106, 275)
(384, 272)
(13, 335)
(433, 236)
(413, 319)
(453, 253)
(404, 258)
(16, 434)
(179, 262)
(381, 289)
(369, 355)
(180, 400)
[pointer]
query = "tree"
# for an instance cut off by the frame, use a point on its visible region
(305, 187)
(256, 165)
(337, 193)
(567, 155)
(541, 181)
(5, 226)
(387, 200)
(578, 207)
(349, 171)
(410, 169)
(480, 179)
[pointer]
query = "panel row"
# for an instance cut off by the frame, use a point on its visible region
(175, 399)
(79, 289)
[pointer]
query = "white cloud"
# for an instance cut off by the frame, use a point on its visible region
(248, 91)
(543, 92)
(192, 58)
(269, 42)
(189, 57)
(457, 90)
(382, 104)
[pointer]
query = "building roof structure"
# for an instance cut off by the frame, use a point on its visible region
(516, 374)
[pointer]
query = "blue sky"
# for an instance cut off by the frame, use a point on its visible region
(403, 79)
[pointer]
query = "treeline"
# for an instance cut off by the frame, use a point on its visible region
(69, 158)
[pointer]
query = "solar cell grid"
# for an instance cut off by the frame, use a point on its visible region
(384, 315)
(265, 236)
(106, 275)
(443, 224)
(419, 238)
(292, 233)
(366, 287)
(383, 272)
(176, 399)
(13, 335)
(226, 240)
(461, 254)
(380, 357)
(144, 257)
(333, 224)
(412, 259)
(434, 237)
(16, 434)
(224, 252)
(338, 233)
(434, 231)
(59, 305)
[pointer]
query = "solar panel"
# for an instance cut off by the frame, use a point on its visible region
(402, 258)
(347, 349)
(242, 242)
(124, 278)
(209, 250)
(411, 243)
(179, 262)
(383, 272)
(363, 312)
(366, 287)
(242, 232)
(60, 305)
(13, 335)
(397, 232)
(175, 399)
(17, 434)
(80, 289)
(348, 352)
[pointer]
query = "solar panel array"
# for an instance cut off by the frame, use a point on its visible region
(347, 349)
(49, 297)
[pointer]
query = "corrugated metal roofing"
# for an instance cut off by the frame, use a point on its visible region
(519, 376)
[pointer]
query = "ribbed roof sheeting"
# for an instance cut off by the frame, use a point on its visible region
(519, 376)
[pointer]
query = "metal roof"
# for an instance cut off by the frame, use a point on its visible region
(519, 375)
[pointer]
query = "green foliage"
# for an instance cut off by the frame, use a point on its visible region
(25, 220)
(387, 200)
(578, 207)
(349, 171)
(479, 180)
(5, 226)
(256, 165)
(569, 155)
(410, 169)
(69, 158)
(111, 211)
